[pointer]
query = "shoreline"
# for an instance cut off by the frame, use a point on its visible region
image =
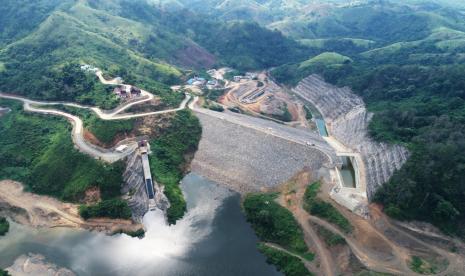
(39, 211)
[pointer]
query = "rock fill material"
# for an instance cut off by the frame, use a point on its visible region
(347, 119)
(135, 190)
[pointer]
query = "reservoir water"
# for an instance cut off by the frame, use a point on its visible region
(212, 239)
(347, 172)
(320, 124)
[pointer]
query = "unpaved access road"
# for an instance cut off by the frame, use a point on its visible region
(78, 125)
(369, 243)
(295, 198)
(309, 265)
(77, 133)
(44, 211)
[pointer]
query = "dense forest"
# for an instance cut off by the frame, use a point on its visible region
(39, 152)
(420, 105)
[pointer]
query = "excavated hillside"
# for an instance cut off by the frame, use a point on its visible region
(347, 120)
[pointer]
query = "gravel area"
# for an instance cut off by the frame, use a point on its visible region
(248, 160)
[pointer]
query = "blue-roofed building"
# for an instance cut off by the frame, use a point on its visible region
(196, 81)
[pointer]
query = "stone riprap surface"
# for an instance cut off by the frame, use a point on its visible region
(249, 155)
(135, 191)
(134, 187)
(347, 119)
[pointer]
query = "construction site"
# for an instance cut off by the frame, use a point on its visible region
(262, 97)
(338, 118)
(260, 155)
(347, 120)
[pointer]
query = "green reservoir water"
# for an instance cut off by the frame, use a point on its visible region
(320, 123)
(212, 239)
(347, 172)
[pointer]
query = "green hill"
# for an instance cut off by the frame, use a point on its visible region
(326, 59)
(78, 34)
(135, 40)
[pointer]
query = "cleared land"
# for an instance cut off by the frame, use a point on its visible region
(43, 211)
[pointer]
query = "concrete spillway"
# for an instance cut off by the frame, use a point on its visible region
(347, 120)
(148, 180)
(142, 192)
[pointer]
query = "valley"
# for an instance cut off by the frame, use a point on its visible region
(268, 140)
(237, 137)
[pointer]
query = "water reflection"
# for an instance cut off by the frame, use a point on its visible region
(212, 239)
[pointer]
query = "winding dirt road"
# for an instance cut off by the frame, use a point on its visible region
(78, 125)
(372, 246)
(309, 265)
(294, 204)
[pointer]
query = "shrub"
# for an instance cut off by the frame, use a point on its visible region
(4, 226)
(284, 262)
(323, 209)
(112, 208)
(167, 161)
(274, 223)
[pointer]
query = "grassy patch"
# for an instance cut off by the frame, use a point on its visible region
(274, 223)
(168, 159)
(214, 94)
(112, 208)
(168, 97)
(289, 265)
(140, 233)
(104, 131)
(330, 238)
(327, 58)
(323, 209)
(422, 266)
(4, 226)
(4, 272)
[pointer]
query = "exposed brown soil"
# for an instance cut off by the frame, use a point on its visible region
(90, 137)
(152, 126)
(92, 195)
(378, 244)
(270, 105)
(194, 56)
(43, 211)
(291, 198)
(150, 106)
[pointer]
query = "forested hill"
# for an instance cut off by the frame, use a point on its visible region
(413, 81)
(130, 38)
(404, 57)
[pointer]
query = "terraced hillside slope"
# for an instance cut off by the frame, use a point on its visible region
(347, 119)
